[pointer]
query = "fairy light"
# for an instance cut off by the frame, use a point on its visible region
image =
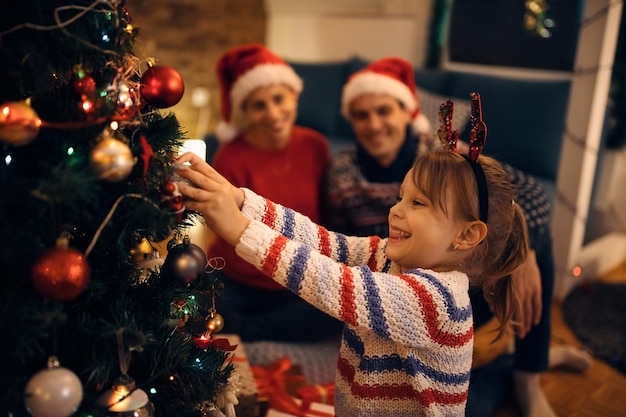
(577, 271)
(7, 160)
(536, 18)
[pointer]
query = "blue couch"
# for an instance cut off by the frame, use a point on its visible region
(525, 118)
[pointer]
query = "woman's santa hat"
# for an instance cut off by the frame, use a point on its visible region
(391, 76)
(242, 70)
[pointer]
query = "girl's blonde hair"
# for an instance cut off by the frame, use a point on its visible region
(505, 248)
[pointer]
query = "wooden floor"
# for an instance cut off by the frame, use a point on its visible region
(600, 391)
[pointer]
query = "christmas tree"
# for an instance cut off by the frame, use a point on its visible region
(95, 320)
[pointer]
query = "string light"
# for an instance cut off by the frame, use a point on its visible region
(536, 19)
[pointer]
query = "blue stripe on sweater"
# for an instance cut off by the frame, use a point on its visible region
(410, 366)
(455, 313)
(353, 341)
(413, 367)
(342, 248)
(374, 303)
(289, 223)
(295, 274)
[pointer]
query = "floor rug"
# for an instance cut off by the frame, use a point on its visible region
(596, 313)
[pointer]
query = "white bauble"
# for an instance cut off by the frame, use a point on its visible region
(53, 392)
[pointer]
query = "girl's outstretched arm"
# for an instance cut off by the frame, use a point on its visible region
(213, 196)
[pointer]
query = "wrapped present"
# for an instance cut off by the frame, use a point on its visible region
(277, 382)
(248, 394)
(313, 410)
(320, 393)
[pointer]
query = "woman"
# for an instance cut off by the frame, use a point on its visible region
(262, 149)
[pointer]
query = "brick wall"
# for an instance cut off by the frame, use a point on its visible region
(190, 35)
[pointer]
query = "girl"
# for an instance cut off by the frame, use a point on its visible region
(407, 342)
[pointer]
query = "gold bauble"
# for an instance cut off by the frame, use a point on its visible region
(19, 123)
(112, 160)
(214, 322)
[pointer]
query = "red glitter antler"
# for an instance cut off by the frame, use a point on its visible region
(447, 137)
(478, 131)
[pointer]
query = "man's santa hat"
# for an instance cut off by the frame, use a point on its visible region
(391, 76)
(240, 71)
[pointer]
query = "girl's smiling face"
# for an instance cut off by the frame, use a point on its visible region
(421, 234)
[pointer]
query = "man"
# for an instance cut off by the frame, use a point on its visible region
(362, 183)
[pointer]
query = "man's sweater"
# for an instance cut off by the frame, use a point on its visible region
(407, 343)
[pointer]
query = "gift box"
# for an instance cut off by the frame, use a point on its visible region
(314, 410)
(248, 394)
(277, 383)
(320, 393)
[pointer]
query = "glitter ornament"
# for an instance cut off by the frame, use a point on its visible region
(53, 392)
(84, 84)
(161, 86)
(61, 273)
(112, 159)
(19, 123)
(185, 261)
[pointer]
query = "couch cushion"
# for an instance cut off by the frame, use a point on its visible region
(525, 118)
(431, 102)
(319, 103)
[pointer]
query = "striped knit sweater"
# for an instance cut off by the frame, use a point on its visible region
(407, 343)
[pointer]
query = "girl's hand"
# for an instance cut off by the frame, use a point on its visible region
(213, 196)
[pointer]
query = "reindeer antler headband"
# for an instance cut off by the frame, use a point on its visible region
(478, 134)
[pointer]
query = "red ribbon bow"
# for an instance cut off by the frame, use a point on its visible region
(271, 382)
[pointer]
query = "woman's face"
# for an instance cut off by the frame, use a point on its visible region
(271, 112)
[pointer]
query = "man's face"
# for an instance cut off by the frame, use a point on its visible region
(379, 122)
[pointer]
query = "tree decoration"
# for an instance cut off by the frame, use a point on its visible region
(19, 123)
(213, 323)
(53, 392)
(62, 273)
(146, 154)
(161, 86)
(172, 199)
(185, 261)
(77, 177)
(112, 159)
(84, 86)
(125, 399)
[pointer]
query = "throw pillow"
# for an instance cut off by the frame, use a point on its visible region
(430, 103)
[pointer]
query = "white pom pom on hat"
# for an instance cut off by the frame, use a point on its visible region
(240, 71)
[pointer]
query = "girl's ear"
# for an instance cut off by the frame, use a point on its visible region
(473, 233)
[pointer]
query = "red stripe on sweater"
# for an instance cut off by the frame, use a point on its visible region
(403, 391)
(324, 244)
(371, 263)
(348, 305)
(429, 309)
(270, 263)
(269, 216)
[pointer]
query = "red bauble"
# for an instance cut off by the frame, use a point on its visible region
(84, 85)
(161, 86)
(61, 273)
